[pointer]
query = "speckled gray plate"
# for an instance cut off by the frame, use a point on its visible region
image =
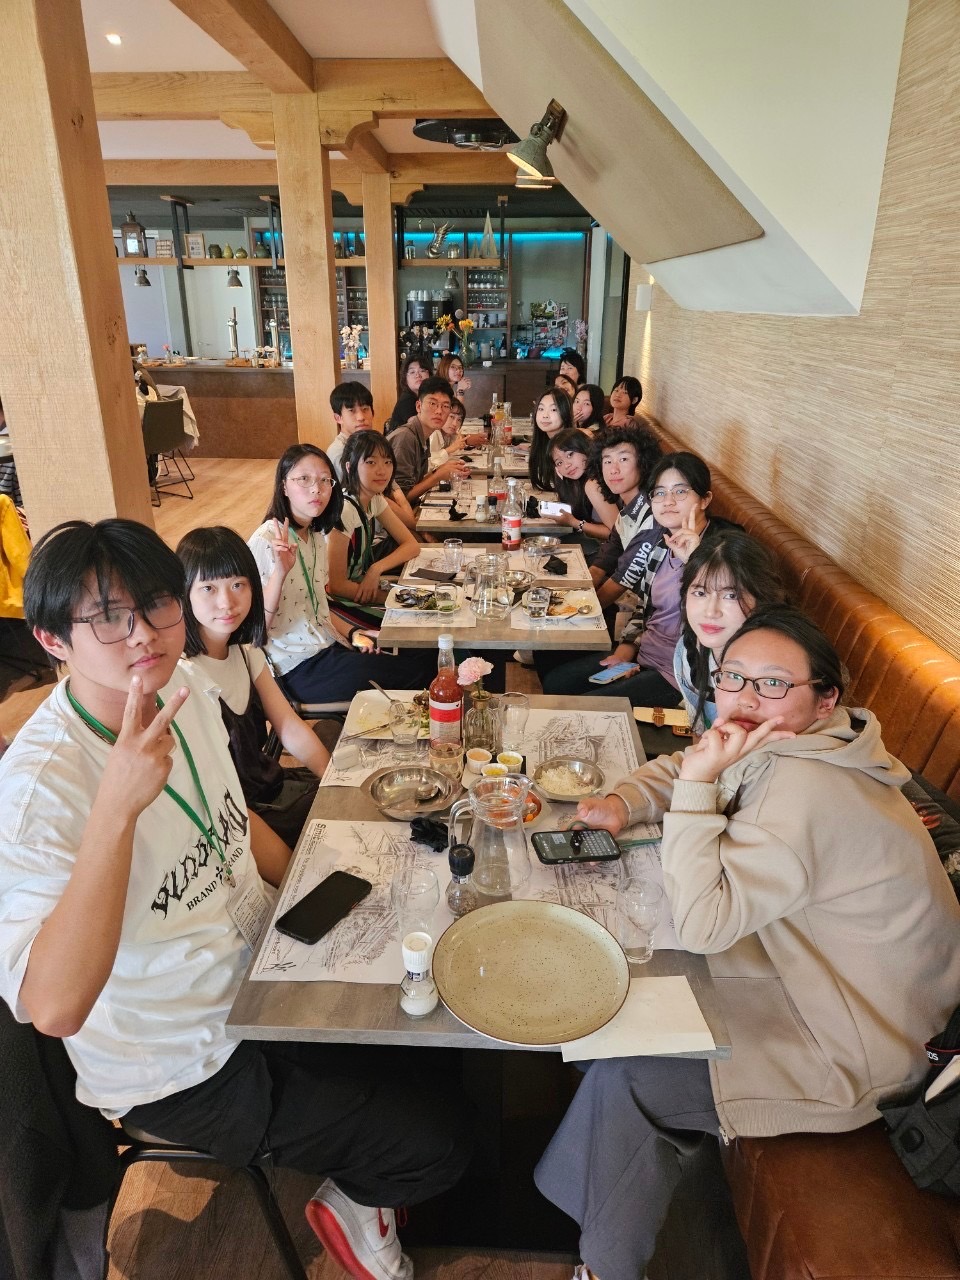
(530, 973)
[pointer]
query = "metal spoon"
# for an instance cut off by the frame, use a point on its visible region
(422, 793)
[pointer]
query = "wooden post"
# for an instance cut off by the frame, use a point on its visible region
(381, 291)
(303, 170)
(65, 372)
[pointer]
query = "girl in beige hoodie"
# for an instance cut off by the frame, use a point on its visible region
(792, 860)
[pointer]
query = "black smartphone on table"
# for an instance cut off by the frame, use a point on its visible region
(324, 906)
(578, 844)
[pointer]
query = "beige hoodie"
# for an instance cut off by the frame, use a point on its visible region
(832, 930)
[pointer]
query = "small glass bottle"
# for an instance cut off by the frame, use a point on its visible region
(418, 992)
(497, 484)
(510, 519)
(481, 724)
(461, 895)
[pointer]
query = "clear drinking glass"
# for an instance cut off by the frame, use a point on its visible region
(405, 724)
(514, 711)
(414, 895)
(537, 602)
(533, 558)
(447, 757)
(452, 554)
(638, 909)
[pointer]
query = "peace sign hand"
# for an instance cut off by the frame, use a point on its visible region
(685, 541)
(286, 555)
(140, 760)
(724, 744)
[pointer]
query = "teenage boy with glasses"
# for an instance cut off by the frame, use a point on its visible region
(411, 442)
(132, 889)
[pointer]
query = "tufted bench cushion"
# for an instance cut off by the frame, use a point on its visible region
(910, 683)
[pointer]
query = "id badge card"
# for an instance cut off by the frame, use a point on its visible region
(248, 907)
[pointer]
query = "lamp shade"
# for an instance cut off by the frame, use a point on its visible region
(141, 278)
(530, 155)
(233, 279)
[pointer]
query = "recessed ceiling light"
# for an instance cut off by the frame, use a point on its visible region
(113, 38)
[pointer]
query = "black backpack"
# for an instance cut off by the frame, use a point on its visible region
(926, 1135)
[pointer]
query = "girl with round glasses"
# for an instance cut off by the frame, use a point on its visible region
(791, 860)
(318, 656)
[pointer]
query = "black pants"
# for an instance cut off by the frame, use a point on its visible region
(563, 674)
(335, 674)
(384, 1126)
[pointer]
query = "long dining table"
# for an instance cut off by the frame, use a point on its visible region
(368, 1012)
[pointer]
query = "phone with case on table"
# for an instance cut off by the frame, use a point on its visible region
(578, 844)
(324, 906)
(618, 672)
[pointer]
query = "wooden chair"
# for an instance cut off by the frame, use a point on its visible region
(164, 437)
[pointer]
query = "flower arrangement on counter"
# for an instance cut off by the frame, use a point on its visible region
(350, 336)
(462, 327)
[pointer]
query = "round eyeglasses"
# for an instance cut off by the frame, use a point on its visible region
(117, 624)
(679, 491)
(766, 686)
(311, 482)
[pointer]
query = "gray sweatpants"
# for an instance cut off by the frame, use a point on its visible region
(614, 1162)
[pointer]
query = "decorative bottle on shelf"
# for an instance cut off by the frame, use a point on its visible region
(511, 518)
(481, 724)
(446, 696)
(461, 895)
(502, 353)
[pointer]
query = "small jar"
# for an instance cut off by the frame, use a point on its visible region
(418, 991)
(481, 724)
(461, 895)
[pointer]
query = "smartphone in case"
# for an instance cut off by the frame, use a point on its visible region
(323, 907)
(619, 672)
(574, 845)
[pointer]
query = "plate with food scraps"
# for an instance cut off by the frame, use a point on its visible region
(568, 778)
(412, 599)
(573, 604)
(369, 714)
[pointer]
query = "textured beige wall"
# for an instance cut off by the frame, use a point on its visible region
(849, 428)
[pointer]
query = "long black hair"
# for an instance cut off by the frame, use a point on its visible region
(219, 552)
(827, 671)
(279, 508)
(730, 559)
(541, 463)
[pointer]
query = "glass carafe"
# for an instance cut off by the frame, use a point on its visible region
(492, 598)
(490, 820)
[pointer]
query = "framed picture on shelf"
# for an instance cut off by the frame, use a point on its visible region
(165, 249)
(194, 244)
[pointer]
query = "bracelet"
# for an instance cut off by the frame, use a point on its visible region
(580, 526)
(351, 633)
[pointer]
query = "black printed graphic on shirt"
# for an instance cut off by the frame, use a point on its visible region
(230, 821)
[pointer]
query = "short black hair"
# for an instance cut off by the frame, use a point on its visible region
(115, 552)
(570, 356)
(459, 408)
(827, 671)
(348, 395)
(633, 389)
(693, 469)
(435, 386)
(219, 552)
(279, 508)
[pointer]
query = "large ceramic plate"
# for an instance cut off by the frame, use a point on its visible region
(530, 973)
(369, 714)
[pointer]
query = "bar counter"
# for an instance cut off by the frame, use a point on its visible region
(244, 412)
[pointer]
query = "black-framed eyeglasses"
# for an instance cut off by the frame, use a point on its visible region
(766, 686)
(117, 624)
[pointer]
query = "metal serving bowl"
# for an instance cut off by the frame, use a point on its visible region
(520, 579)
(546, 545)
(588, 776)
(394, 790)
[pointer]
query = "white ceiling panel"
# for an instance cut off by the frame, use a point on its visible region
(155, 35)
(176, 139)
(374, 29)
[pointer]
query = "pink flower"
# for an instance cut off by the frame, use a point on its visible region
(472, 670)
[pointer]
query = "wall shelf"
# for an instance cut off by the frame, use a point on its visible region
(447, 263)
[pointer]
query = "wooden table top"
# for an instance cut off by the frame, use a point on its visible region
(369, 1013)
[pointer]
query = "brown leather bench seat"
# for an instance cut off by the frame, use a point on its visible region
(841, 1206)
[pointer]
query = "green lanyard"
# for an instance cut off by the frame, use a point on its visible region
(308, 577)
(205, 829)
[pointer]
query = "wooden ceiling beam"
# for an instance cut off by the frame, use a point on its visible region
(389, 87)
(410, 171)
(368, 155)
(257, 37)
(257, 125)
(175, 174)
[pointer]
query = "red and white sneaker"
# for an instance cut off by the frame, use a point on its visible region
(362, 1240)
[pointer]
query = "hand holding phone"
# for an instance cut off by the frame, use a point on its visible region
(618, 672)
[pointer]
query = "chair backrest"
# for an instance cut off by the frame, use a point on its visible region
(162, 426)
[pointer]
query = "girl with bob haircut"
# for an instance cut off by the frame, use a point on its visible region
(553, 414)
(317, 655)
(792, 860)
(225, 629)
(724, 581)
(624, 399)
(367, 465)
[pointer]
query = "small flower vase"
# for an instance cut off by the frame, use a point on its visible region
(481, 724)
(350, 358)
(468, 352)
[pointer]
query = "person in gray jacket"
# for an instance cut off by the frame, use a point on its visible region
(792, 860)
